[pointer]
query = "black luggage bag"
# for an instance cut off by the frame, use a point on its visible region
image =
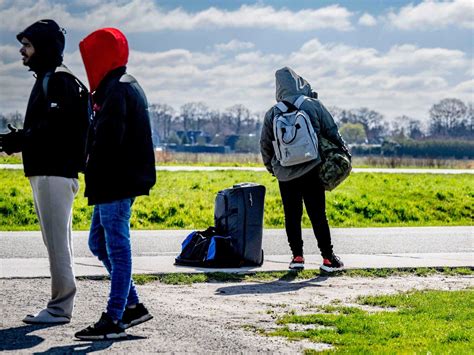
(208, 249)
(238, 213)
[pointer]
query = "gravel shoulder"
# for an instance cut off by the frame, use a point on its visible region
(198, 318)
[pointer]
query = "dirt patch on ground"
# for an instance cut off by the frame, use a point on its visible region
(199, 318)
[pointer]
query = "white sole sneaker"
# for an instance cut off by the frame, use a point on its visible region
(296, 266)
(138, 321)
(102, 337)
(330, 269)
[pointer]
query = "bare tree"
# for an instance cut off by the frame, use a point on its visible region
(257, 118)
(448, 117)
(470, 119)
(3, 122)
(406, 127)
(337, 113)
(194, 115)
(214, 125)
(238, 116)
(161, 117)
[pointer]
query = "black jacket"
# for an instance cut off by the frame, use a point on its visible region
(52, 143)
(121, 161)
(51, 134)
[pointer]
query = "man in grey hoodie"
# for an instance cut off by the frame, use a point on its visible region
(300, 183)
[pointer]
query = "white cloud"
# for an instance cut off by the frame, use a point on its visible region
(234, 45)
(145, 16)
(9, 53)
(403, 80)
(87, 3)
(406, 79)
(466, 89)
(434, 15)
(367, 20)
(21, 14)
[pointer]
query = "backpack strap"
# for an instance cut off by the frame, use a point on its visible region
(45, 83)
(299, 101)
(61, 69)
(64, 69)
(282, 107)
(127, 78)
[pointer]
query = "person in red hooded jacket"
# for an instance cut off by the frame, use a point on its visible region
(120, 166)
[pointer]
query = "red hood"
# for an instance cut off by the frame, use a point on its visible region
(103, 51)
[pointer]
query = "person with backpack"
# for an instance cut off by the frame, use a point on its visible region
(290, 151)
(120, 166)
(52, 144)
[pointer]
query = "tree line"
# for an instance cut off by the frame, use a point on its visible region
(449, 118)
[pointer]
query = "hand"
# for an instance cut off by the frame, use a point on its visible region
(346, 151)
(11, 142)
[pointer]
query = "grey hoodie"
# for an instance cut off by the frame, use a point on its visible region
(290, 86)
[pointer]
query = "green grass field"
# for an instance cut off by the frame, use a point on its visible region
(418, 322)
(185, 200)
(10, 159)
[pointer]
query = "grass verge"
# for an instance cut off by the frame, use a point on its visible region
(188, 279)
(255, 160)
(438, 322)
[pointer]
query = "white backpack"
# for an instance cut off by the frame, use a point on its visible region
(295, 140)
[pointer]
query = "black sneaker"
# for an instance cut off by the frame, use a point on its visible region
(135, 316)
(332, 264)
(105, 328)
(297, 263)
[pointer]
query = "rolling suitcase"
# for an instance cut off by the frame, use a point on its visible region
(238, 213)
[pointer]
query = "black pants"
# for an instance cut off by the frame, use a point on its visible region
(309, 189)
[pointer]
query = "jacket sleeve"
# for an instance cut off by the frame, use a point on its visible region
(329, 128)
(266, 139)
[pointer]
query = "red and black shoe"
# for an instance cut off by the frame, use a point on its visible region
(332, 264)
(297, 263)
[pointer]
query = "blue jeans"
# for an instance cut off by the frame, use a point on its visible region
(109, 240)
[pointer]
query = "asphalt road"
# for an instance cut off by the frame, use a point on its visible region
(345, 240)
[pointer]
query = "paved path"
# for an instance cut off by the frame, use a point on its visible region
(355, 170)
(346, 241)
(23, 255)
(39, 267)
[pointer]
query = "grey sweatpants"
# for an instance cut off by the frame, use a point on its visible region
(53, 197)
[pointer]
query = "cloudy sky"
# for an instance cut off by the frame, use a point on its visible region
(397, 57)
